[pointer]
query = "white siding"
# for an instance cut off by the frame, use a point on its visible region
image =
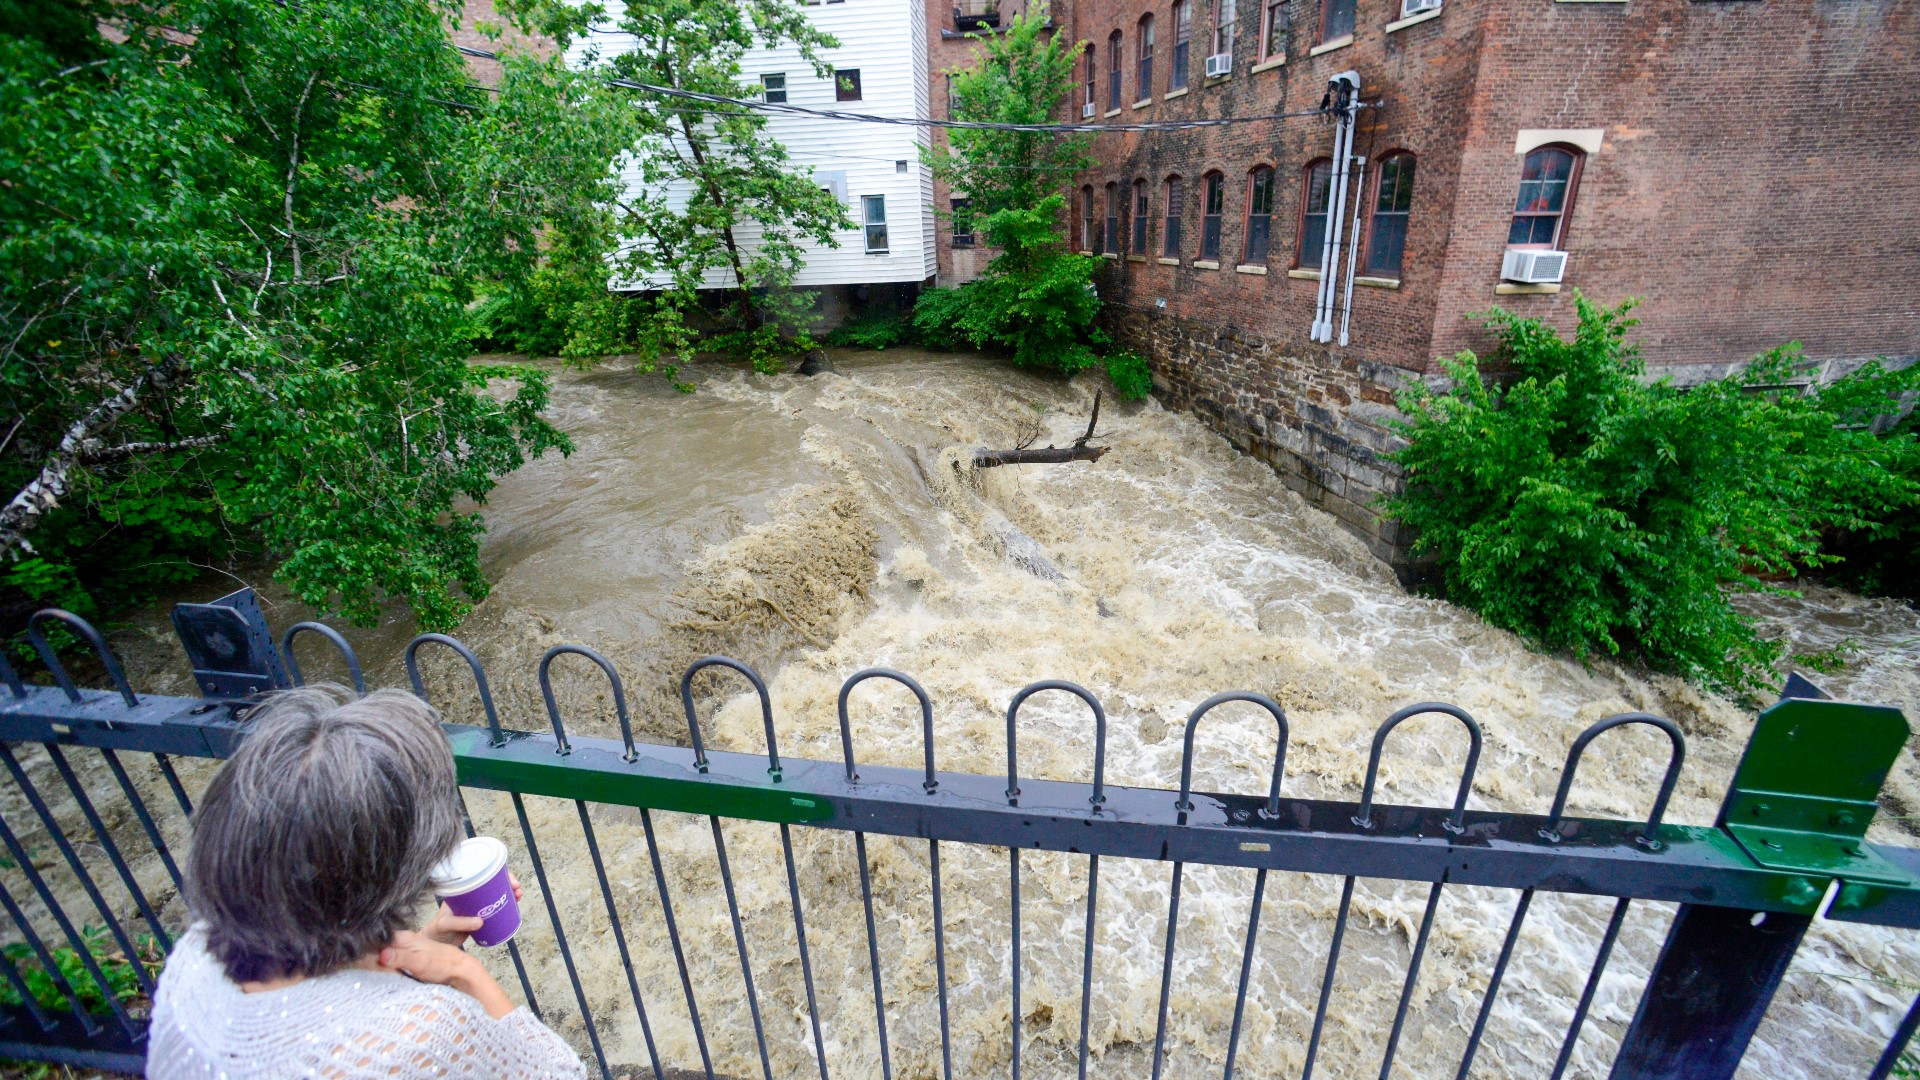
(886, 41)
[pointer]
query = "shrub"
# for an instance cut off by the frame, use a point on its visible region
(1131, 377)
(1589, 510)
(122, 983)
(874, 330)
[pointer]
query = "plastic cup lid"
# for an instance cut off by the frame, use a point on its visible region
(473, 862)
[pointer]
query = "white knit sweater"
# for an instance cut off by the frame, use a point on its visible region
(344, 1026)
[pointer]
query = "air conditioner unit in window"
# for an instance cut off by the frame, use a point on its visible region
(1086, 111)
(1415, 7)
(1534, 267)
(1219, 64)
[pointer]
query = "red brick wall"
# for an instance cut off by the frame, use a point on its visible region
(1753, 187)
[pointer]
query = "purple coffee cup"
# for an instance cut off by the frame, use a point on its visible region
(474, 881)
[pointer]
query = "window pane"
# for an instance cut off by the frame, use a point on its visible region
(1521, 232)
(1559, 165)
(1216, 193)
(1387, 243)
(1223, 26)
(1258, 227)
(1210, 237)
(1336, 20)
(875, 207)
(846, 84)
(1319, 184)
(773, 87)
(1260, 197)
(1275, 43)
(1313, 239)
(1140, 234)
(1170, 246)
(876, 238)
(1396, 185)
(1179, 78)
(1113, 234)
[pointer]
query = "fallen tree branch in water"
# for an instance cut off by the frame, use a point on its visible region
(1047, 455)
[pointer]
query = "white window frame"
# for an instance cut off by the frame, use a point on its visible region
(767, 89)
(868, 224)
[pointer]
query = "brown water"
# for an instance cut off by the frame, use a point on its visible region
(815, 526)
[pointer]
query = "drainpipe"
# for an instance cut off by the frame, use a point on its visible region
(1343, 90)
(1353, 246)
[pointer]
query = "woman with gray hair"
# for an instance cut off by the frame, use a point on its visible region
(312, 850)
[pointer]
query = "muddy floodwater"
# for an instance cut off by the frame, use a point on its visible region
(815, 526)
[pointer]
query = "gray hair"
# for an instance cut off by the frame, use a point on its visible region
(314, 842)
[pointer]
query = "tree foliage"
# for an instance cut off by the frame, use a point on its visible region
(716, 198)
(1036, 299)
(238, 239)
(1590, 510)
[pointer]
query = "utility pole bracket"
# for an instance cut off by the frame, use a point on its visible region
(1807, 787)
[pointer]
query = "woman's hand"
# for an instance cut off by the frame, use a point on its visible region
(431, 961)
(450, 929)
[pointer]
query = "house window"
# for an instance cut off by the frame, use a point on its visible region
(1113, 220)
(1139, 217)
(1316, 185)
(1216, 196)
(874, 209)
(1182, 36)
(773, 87)
(1115, 58)
(1387, 236)
(1222, 27)
(1092, 80)
(1089, 225)
(1273, 30)
(1547, 183)
(1144, 46)
(846, 84)
(962, 222)
(1259, 214)
(1170, 229)
(1336, 20)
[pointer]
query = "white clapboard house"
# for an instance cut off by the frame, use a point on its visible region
(875, 169)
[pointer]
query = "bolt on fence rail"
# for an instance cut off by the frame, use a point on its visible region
(1788, 846)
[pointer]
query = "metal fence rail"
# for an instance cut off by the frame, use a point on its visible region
(1789, 845)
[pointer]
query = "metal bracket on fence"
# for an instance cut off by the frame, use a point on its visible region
(230, 647)
(1806, 788)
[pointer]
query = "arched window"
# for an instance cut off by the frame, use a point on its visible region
(1259, 214)
(1547, 182)
(1089, 230)
(1170, 228)
(1392, 199)
(1223, 27)
(1215, 196)
(1143, 46)
(1113, 220)
(1316, 183)
(1116, 57)
(1273, 29)
(1092, 79)
(1182, 37)
(1139, 217)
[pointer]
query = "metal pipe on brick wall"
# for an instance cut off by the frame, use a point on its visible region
(1343, 91)
(1353, 246)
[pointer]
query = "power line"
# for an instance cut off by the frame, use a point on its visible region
(782, 108)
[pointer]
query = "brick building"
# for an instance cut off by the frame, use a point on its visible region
(1741, 166)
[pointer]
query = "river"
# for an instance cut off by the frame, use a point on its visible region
(813, 526)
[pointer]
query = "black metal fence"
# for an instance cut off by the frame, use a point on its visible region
(1789, 847)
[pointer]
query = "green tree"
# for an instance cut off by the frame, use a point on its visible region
(238, 239)
(717, 198)
(1591, 510)
(1036, 299)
